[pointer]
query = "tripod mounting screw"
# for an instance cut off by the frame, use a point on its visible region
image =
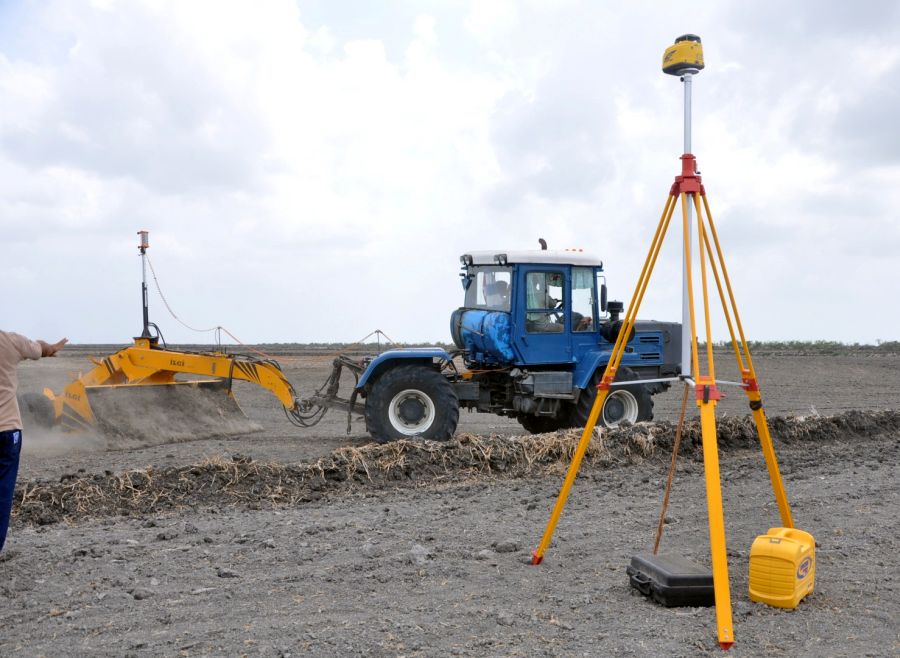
(684, 56)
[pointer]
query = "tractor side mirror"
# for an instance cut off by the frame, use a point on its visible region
(603, 298)
(467, 274)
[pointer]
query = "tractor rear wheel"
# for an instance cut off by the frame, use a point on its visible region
(411, 401)
(631, 403)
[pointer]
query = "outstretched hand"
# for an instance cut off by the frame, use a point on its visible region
(50, 350)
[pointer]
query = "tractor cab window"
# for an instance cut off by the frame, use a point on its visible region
(490, 289)
(583, 299)
(545, 302)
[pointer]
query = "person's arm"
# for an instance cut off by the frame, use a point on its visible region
(50, 350)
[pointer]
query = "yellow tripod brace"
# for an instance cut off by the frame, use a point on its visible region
(689, 191)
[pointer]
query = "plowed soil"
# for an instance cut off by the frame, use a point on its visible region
(296, 542)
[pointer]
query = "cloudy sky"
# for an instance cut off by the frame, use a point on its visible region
(312, 170)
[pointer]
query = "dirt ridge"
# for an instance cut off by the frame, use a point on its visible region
(241, 481)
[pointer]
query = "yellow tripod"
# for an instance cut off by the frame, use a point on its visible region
(688, 189)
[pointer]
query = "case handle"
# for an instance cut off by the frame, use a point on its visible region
(793, 533)
(641, 583)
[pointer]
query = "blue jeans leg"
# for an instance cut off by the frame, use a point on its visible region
(10, 448)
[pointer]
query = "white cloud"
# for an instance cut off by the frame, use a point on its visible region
(308, 173)
(489, 20)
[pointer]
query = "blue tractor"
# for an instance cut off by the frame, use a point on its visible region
(532, 339)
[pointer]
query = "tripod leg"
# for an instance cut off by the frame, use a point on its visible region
(765, 441)
(537, 555)
(671, 476)
(745, 363)
(716, 522)
(707, 394)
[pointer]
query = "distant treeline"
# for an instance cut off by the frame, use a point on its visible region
(824, 347)
(811, 346)
(814, 346)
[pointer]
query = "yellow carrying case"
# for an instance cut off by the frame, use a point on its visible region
(782, 567)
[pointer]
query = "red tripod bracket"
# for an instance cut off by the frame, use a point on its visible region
(689, 182)
(749, 382)
(606, 383)
(706, 392)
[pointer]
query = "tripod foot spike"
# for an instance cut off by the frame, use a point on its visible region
(536, 559)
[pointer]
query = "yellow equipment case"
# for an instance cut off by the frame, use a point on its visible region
(782, 567)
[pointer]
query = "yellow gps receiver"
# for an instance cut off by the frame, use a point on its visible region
(684, 56)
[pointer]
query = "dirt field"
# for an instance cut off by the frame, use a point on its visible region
(430, 561)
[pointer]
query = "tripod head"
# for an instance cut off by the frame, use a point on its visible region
(684, 56)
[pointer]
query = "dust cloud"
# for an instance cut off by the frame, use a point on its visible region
(52, 442)
(129, 417)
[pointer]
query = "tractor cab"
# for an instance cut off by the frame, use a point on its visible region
(529, 307)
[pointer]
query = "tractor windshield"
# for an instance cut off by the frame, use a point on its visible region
(490, 288)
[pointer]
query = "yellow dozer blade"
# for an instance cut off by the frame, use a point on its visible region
(134, 399)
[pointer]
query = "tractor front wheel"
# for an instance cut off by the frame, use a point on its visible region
(630, 403)
(411, 401)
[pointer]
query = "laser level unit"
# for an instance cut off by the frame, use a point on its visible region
(684, 56)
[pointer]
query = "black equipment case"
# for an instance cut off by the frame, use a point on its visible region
(671, 580)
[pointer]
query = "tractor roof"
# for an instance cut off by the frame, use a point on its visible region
(551, 256)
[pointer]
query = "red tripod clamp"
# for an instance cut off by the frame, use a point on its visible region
(689, 182)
